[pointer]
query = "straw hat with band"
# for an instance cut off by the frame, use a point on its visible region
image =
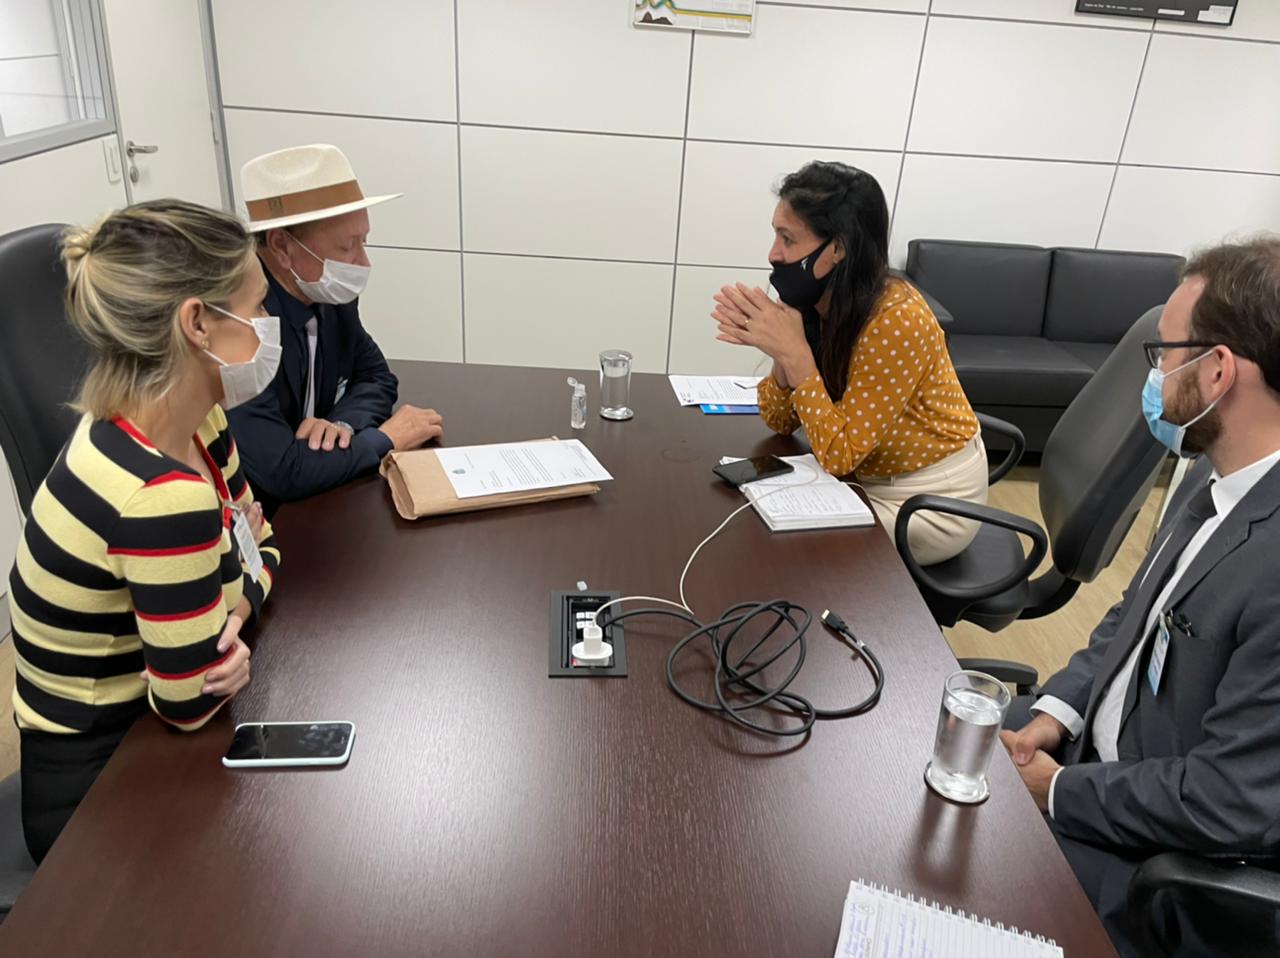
(300, 185)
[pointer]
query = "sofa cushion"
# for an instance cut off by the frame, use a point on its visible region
(1096, 295)
(1094, 354)
(988, 288)
(1017, 370)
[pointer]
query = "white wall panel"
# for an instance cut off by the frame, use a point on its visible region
(1176, 211)
(594, 71)
(388, 156)
(528, 311)
(62, 186)
(1021, 89)
(1208, 103)
(1007, 201)
(389, 58)
(568, 194)
(813, 77)
(413, 304)
(729, 199)
(694, 348)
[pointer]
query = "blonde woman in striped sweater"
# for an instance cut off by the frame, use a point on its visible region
(129, 590)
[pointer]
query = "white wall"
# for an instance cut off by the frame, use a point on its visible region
(574, 183)
(68, 185)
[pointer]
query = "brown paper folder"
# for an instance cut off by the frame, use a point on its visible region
(420, 488)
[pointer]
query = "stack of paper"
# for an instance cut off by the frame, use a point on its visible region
(807, 498)
(720, 390)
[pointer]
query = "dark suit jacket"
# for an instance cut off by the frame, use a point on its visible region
(1199, 763)
(354, 385)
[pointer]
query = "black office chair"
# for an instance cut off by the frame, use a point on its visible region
(41, 357)
(41, 360)
(1250, 893)
(1096, 472)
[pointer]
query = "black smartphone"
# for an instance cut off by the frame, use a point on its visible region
(265, 744)
(750, 470)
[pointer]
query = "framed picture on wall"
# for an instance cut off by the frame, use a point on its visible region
(716, 16)
(1218, 12)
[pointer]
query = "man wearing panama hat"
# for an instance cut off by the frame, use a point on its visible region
(327, 417)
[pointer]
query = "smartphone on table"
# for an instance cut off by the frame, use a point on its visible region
(283, 744)
(752, 470)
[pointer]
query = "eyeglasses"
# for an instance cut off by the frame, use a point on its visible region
(1155, 349)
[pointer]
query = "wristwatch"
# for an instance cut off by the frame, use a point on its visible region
(344, 425)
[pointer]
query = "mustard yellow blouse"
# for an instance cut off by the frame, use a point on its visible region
(903, 409)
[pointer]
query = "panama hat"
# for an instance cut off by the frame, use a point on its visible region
(299, 185)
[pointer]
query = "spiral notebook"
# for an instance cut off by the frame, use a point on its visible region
(879, 923)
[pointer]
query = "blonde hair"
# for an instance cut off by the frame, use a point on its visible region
(127, 275)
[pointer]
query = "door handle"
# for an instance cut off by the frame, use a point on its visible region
(131, 150)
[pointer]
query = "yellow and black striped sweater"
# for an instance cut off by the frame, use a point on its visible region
(127, 562)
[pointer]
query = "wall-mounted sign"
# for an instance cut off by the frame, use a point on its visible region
(721, 16)
(1217, 12)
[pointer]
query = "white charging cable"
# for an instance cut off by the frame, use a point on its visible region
(683, 604)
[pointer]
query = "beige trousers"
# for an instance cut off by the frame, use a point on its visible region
(934, 536)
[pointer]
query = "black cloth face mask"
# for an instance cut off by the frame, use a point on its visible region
(800, 289)
(795, 282)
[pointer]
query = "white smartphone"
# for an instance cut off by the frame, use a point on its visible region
(276, 744)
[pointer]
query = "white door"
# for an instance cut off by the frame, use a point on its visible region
(162, 94)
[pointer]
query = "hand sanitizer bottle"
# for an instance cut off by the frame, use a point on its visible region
(578, 405)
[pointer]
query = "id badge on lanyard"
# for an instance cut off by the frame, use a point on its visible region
(1159, 652)
(249, 553)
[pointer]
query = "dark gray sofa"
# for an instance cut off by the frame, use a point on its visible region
(1028, 326)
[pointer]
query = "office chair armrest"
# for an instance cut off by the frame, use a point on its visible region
(1017, 444)
(1222, 876)
(940, 312)
(979, 513)
(1213, 878)
(1026, 678)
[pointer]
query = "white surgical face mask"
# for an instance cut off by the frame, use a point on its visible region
(339, 283)
(244, 381)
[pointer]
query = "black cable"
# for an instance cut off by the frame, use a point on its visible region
(731, 677)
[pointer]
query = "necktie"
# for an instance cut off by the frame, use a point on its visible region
(309, 405)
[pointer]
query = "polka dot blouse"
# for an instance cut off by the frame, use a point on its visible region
(903, 409)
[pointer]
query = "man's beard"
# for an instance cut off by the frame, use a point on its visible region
(1188, 403)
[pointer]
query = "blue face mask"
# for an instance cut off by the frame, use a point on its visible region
(1166, 432)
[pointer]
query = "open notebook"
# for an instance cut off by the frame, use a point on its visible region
(807, 498)
(879, 922)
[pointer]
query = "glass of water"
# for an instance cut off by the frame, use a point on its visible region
(615, 384)
(973, 709)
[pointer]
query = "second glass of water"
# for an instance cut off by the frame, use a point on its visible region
(615, 384)
(973, 709)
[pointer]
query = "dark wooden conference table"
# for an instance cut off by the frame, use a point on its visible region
(490, 810)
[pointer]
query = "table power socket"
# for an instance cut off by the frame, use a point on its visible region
(567, 609)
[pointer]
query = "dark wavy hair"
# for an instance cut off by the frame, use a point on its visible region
(839, 201)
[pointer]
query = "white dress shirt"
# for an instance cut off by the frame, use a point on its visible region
(1227, 492)
(309, 406)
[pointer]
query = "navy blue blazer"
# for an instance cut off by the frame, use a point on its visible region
(353, 385)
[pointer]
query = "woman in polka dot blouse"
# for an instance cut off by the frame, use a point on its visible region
(859, 360)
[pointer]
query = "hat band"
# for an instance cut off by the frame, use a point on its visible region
(304, 201)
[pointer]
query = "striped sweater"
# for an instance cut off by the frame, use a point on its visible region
(128, 561)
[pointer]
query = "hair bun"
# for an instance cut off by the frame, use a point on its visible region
(76, 241)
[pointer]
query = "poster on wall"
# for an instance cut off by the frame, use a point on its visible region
(719, 16)
(1218, 12)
